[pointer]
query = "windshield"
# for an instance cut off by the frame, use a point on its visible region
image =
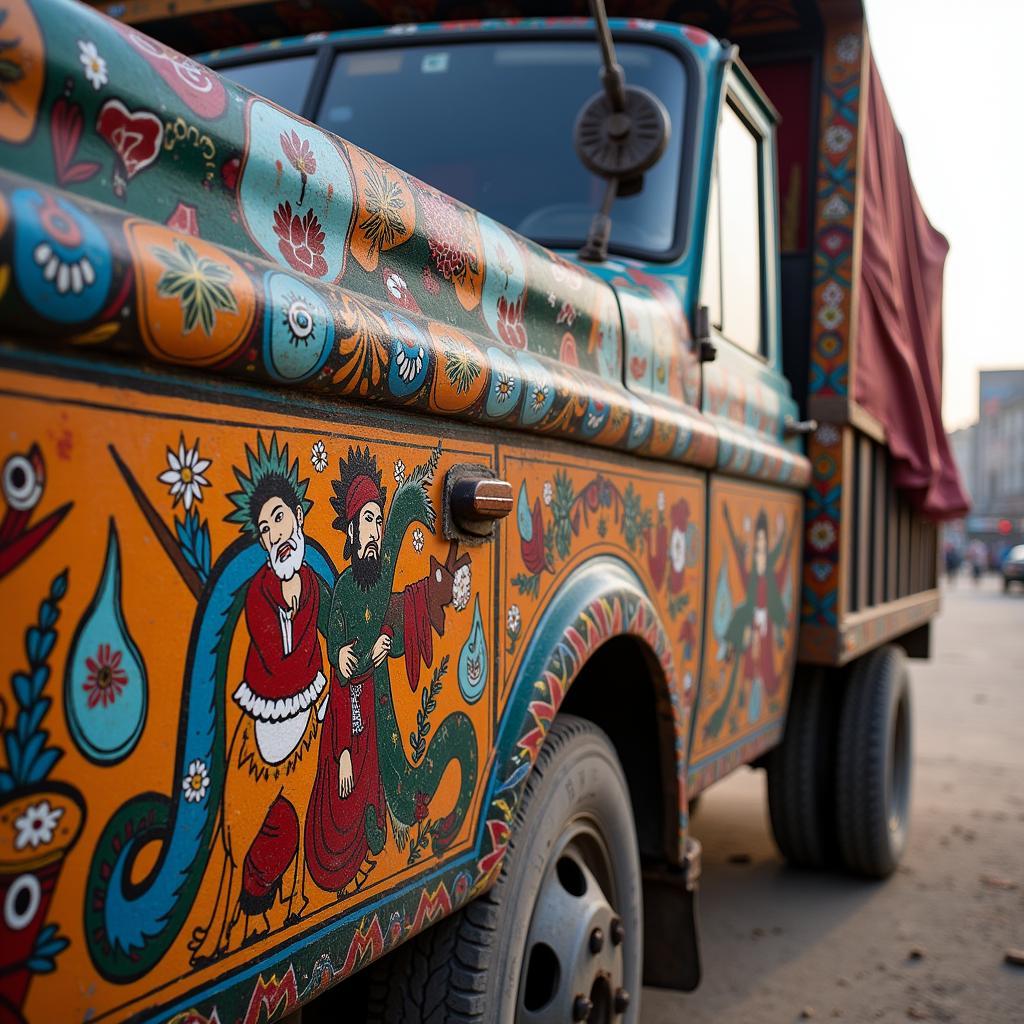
(491, 123)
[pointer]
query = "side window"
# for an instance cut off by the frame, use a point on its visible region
(732, 282)
(711, 282)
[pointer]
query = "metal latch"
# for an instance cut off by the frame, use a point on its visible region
(707, 350)
(474, 499)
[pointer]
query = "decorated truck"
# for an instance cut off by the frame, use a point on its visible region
(390, 557)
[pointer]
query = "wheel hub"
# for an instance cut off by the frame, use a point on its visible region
(573, 964)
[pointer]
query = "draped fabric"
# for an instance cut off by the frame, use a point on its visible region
(898, 359)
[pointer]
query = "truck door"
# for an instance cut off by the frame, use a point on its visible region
(753, 507)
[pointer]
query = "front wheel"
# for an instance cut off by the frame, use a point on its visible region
(559, 936)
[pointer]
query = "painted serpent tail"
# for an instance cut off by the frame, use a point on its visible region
(409, 788)
(130, 925)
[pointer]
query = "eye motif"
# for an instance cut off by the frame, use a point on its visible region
(22, 483)
(22, 902)
(299, 319)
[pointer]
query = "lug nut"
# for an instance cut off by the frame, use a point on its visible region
(618, 932)
(581, 1008)
(621, 1000)
(596, 941)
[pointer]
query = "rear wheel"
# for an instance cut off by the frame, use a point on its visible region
(875, 764)
(559, 935)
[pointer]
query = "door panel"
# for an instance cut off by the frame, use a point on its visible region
(750, 626)
(188, 779)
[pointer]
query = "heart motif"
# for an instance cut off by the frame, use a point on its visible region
(134, 136)
(638, 367)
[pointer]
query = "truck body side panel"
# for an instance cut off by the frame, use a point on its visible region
(174, 834)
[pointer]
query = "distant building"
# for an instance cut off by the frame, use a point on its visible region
(990, 456)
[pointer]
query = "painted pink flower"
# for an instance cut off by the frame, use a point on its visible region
(300, 156)
(106, 678)
(444, 230)
(302, 240)
(510, 322)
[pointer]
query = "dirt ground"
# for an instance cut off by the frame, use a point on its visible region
(929, 944)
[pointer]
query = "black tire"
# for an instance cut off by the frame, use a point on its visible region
(470, 967)
(875, 764)
(801, 773)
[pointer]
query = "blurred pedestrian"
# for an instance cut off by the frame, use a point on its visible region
(977, 555)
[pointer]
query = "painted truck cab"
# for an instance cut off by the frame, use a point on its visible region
(328, 491)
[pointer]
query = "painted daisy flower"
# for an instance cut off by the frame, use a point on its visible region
(677, 550)
(318, 456)
(417, 539)
(184, 474)
(548, 492)
(196, 782)
(822, 535)
(461, 587)
(37, 825)
(827, 435)
(95, 66)
(513, 620)
(503, 387)
(399, 471)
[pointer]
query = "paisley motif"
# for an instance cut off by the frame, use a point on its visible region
(195, 303)
(385, 211)
(461, 374)
(409, 356)
(62, 259)
(295, 193)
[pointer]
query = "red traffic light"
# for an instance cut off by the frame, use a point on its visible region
(1005, 526)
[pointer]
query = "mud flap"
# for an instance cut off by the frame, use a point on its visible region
(671, 945)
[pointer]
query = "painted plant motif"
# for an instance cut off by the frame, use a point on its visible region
(385, 212)
(546, 542)
(200, 284)
(40, 819)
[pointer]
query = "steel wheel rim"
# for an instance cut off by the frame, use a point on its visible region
(899, 775)
(573, 966)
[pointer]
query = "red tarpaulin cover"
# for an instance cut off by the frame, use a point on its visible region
(898, 367)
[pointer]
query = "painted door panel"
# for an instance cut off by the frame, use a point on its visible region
(572, 509)
(164, 688)
(750, 626)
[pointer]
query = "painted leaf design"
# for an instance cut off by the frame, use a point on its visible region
(199, 283)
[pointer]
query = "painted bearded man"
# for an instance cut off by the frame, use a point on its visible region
(268, 778)
(362, 768)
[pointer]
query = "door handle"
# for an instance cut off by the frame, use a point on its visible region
(792, 427)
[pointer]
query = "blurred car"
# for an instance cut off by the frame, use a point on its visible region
(1013, 567)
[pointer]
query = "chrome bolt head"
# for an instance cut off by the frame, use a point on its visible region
(581, 1008)
(621, 1000)
(596, 941)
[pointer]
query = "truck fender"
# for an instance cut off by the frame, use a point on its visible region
(600, 601)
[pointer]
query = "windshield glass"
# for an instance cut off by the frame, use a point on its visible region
(492, 125)
(284, 80)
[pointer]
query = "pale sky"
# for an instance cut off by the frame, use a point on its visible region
(952, 75)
